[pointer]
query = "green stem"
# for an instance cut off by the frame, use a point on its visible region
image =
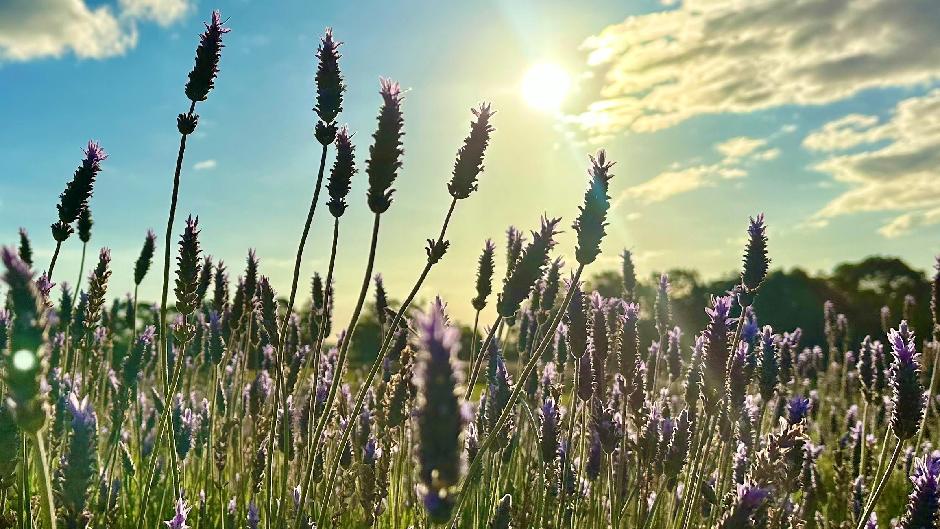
(881, 485)
(46, 502)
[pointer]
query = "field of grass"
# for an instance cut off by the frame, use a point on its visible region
(230, 405)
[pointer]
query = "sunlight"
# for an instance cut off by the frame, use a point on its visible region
(545, 86)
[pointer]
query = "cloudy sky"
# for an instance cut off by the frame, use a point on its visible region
(824, 114)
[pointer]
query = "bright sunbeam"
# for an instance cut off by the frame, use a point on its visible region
(545, 86)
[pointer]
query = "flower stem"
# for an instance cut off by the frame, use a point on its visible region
(46, 502)
(881, 485)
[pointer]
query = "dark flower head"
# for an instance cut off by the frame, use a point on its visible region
(439, 417)
(663, 313)
(26, 249)
(590, 224)
(188, 267)
(180, 512)
(330, 86)
(79, 467)
(716, 346)
(208, 53)
(528, 269)
(344, 167)
(385, 154)
(797, 409)
(485, 275)
(769, 363)
(514, 241)
(551, 430)
(469, 162)
(381, 300)
(74, 199)
(629, 338)
(908, 400)
(736, 383)
(84, 224)
(756, 261)
(693, 380)
(923, 504)
(629, 275)
(576, 320)
(935, 298)
(146, 257)
(673, 353)
(498, 391)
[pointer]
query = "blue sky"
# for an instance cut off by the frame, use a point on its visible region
(821, 115)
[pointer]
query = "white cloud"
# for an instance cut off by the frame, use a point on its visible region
(32, 29)
(738, 153)
(163, 12)
(740, 146)
(898, 168)
(715, 56)
(205, 164)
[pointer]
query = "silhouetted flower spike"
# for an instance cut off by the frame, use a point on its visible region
(756, 261)
(469, 163)
(484, 275)
(549, 436)
(208, 53)
(678, 450)
(663, 312)
(188, 267)
(591, 222)
(146, 257)
(693, 379)
(673, 353)
(78, 191)
(769, 365)
(551, 285)
(344, 167)
(98, 288)
(716, 347)
(216, 349)
(385, 154)
(923, 504)
(439, 418)
(629, 275)
(84, 224)
(79, 465)
(205, 279)
(514, 241)
(866, 369)
(268, 310)
(134, 362)
(736, 383)
(908, 400)
(498, 390)
(220, 287)
(576, 320)
(26, 249)
(381, 300)
(935, 298)
(330, 85)
(528, 269)
(502, 518)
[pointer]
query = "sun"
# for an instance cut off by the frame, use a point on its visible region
(545, 86)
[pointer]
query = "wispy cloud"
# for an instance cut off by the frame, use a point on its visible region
(717, 56)
(205, 165)
(33, 29)
(739, 153)
(895, 164)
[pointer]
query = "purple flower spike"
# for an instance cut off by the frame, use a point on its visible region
(907, 392)
(178, 521)
(797, 409)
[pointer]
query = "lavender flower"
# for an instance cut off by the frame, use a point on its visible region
(484, 275)
(146, 257)
(797, 409)
(25, 251)
(79, 465)
(907, 398)
(439, 419)
(385, 154)
(923, 504)
(576, 320)
(663, 313)
(514, 241)
(528, 269)
(586, 379)
(330, 88)
(344, 168)
(590, 224)
(78, 191)
(202, 77)
(693, 380)
(716, 348)
(629, 340)
(84, 224)
(180, 512)
(769, 366)
(748, 500)
(756, 261)
(499, 388)
(188, 266)
(628, 272)
(935, 299)
(253, 518)
(673, 356)
(469, 161)
(550, 432)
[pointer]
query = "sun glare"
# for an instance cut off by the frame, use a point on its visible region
(545, 86)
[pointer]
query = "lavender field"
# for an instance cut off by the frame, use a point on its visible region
(576, 397)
